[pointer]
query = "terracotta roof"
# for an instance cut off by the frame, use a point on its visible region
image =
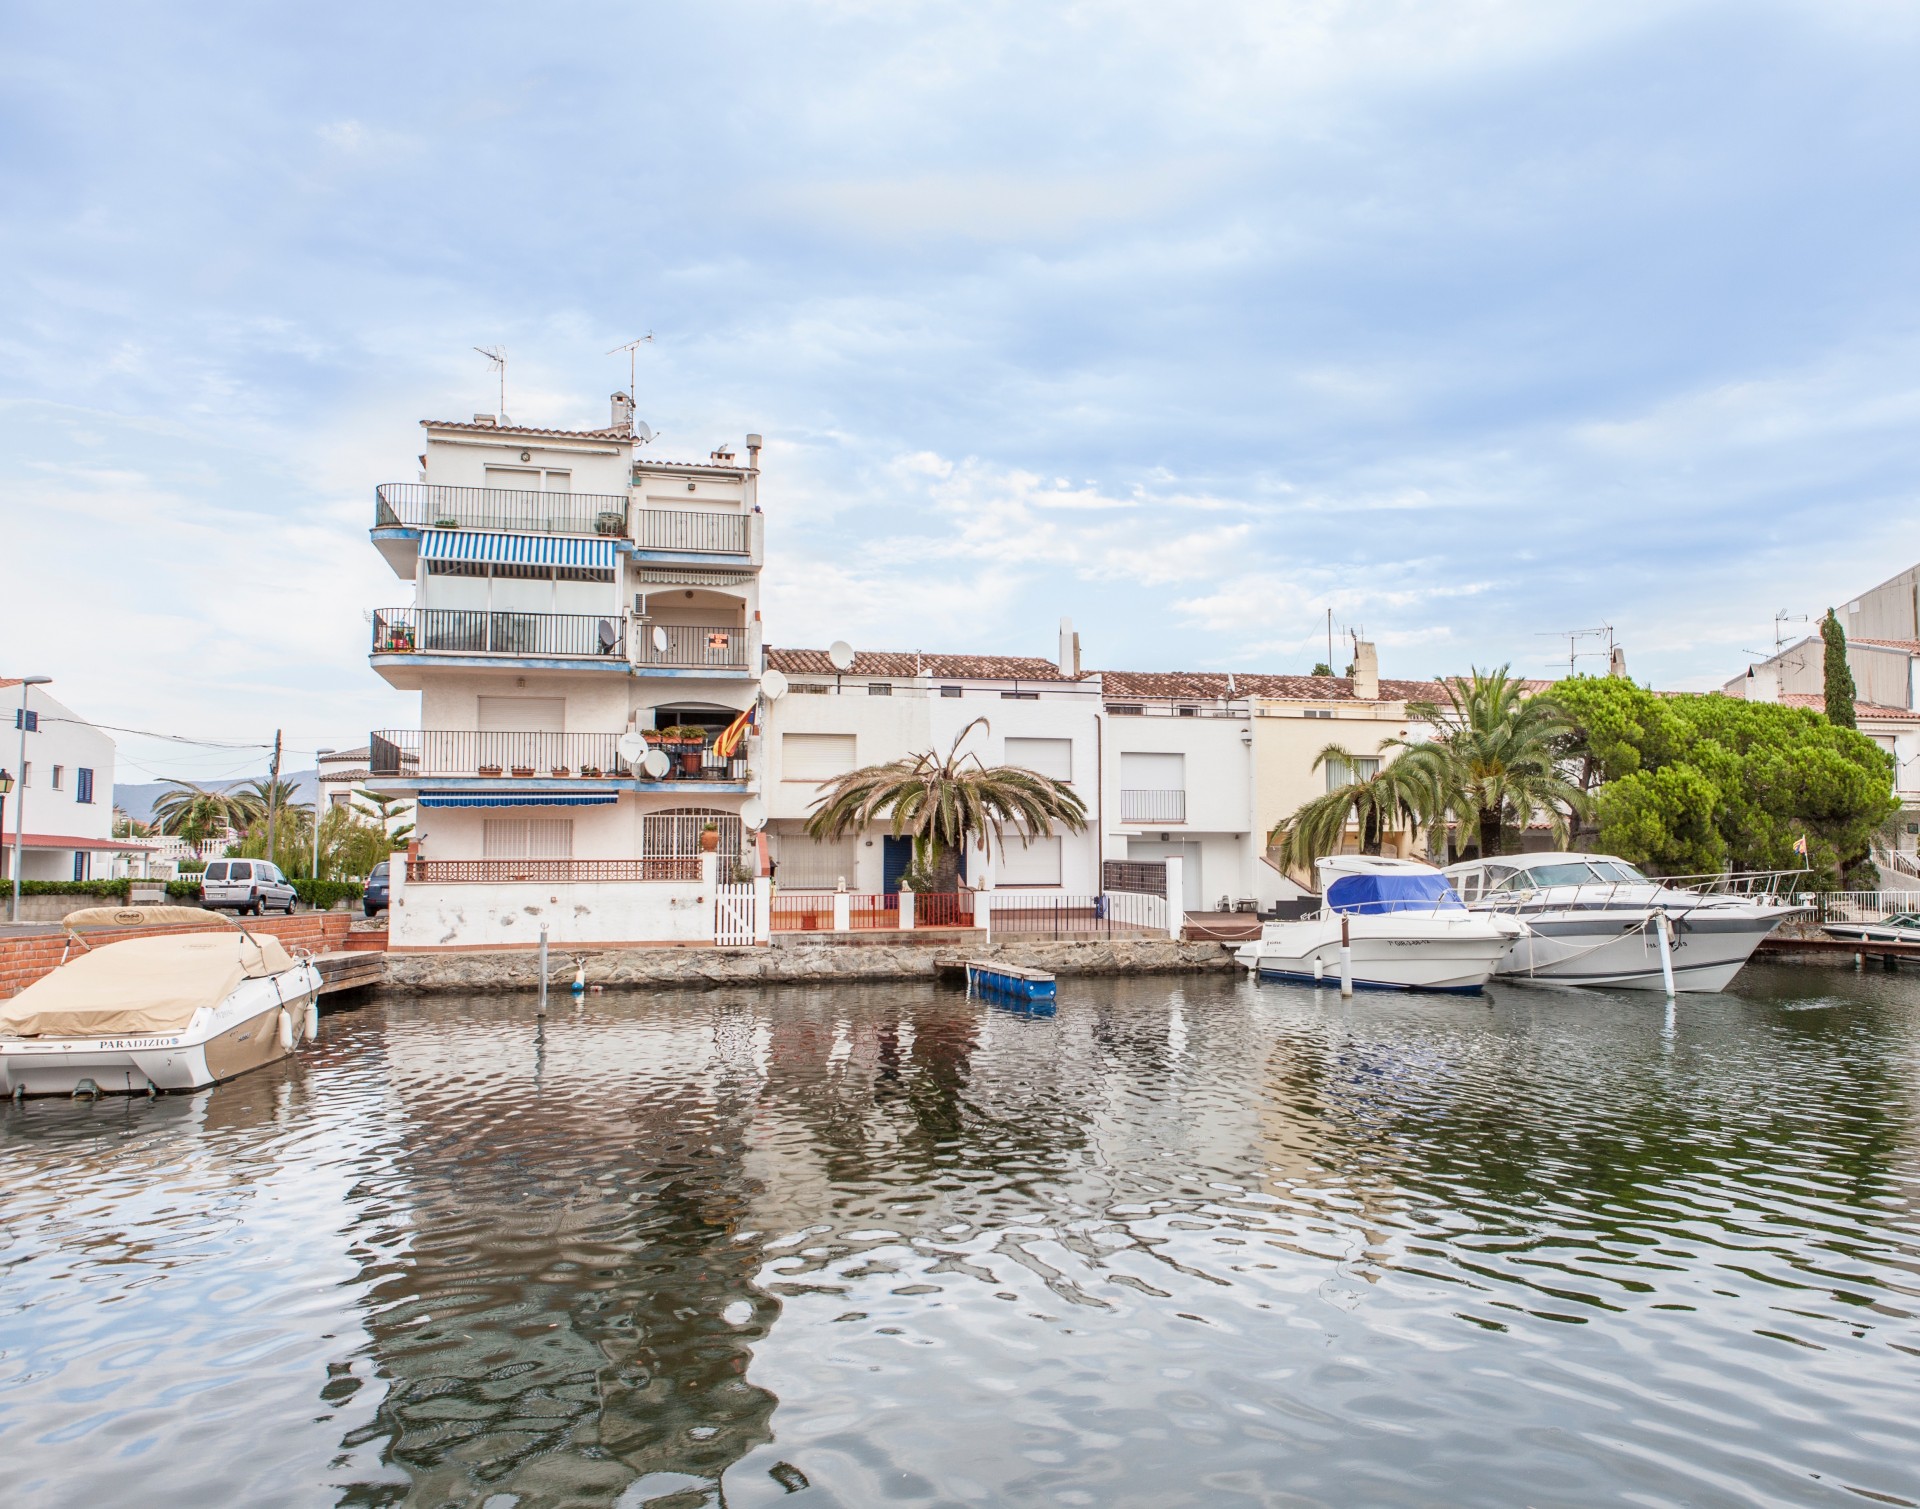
(61, 841)
(1911, 646)
(1201, 686)
(647, 464)
(346, 754)
(908, 663)
(1819, 703)
(523, 429)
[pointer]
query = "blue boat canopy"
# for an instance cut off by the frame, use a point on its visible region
(1370, 895)
(517, 799)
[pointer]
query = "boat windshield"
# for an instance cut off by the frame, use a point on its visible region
(1617, 871)
(1541, 876)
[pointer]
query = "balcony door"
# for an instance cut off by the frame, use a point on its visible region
(523, 732)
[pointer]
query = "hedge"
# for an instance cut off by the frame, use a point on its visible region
(330, 891)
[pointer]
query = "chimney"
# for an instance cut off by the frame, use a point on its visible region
(1068, 658)
(1617, 662)
(1366, 671)
(754, 442)
(1763, 683)
(623, 412)
(486, 419)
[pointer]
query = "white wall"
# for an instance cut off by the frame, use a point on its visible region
(509, 914)
(459, 458)
(1218, 838)
(61, 740)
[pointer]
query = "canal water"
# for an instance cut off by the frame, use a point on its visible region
(1185, 1241)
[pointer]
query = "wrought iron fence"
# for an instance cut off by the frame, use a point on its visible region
(422, 505)
(686, 530)
(481, 752)
(943, 909)
(468, 871)
(694, 646)
(1146, 876)
(802, 912)
(399, 631)
(1054, 914)
(1153, 806)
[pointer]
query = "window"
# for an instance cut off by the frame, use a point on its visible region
(1189, 712)
(32, 716)
(815, 757)
(59, 778)
(1126, 709)
(1019, 696)
(1052, 757)
(879, 688)
(79, 864)
(216, 870)
(949, 691)
(1340, 773)
(1033, 863)
(240, 870)
(83, 785)
(1317, 712)
(527, 838)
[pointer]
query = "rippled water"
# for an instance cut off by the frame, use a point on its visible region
(1196, 1242)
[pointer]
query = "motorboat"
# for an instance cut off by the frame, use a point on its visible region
(171, 1011)
(1403, 923)
(1594, 919)
(1901, 927)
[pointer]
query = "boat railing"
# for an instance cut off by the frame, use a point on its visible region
(1606, 894)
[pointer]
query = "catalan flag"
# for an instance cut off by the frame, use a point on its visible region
(728, 744)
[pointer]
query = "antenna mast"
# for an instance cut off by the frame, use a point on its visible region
(632, 349)
(498, 356)
(1575, 654)
(1779, 633)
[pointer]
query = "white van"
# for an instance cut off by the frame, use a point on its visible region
(246, 885)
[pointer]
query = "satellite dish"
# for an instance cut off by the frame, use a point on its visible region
(659, 640)
(642, 431)
(631, 747)
(656, 764)
(840, 655)
(753, 814)
(773, 685)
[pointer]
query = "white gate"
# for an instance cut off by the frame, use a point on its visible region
(733, 919)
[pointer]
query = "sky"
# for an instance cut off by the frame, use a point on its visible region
(1471, 323)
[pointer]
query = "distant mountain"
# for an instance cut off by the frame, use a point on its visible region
(137, 801)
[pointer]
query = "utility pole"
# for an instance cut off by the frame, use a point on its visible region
(273, 793)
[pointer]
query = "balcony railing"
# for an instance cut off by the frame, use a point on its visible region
(421, 505)
(547, 871)
(430, 753)
(1153, 806)
(472, 631)
(688, 531)
(693, 646)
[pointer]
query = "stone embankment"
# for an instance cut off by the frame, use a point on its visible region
(792, 964)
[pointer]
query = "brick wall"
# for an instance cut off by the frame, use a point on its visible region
(24, 960)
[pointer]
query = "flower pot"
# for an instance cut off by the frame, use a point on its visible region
(489, 770)
(522, 772)
(560, 772)
(709, 840)
(591, 772)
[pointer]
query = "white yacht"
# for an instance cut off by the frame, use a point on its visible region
(1406, 927)
(177, 1011)
(1593, 919)
(1901, 927)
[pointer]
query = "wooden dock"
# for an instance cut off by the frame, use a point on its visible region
(1839, 950)
(354, 970)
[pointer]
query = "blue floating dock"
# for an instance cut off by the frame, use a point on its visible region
(1012, 981)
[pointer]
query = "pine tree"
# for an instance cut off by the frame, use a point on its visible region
(1839, 679)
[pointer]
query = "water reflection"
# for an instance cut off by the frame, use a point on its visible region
(1190, 1242)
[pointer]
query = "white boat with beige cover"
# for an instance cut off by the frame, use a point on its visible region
(175, 1011)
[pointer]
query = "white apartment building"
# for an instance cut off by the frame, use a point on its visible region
(1039, 714)
(566, 591)
(62, 802)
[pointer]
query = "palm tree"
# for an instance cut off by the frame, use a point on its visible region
(1396, 794)
(387, 812)
(1495, 763)
(197, 813)
(944, 802)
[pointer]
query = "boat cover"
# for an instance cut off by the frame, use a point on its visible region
(1387, 891)
(141, 985)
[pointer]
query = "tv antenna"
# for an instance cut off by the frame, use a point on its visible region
(1575, 654)
(498, 356)
(1780, 619)
(632, 348)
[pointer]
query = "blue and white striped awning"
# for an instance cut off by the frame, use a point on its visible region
(518, 799)
(515, 549)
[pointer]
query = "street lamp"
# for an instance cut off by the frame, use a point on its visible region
(20, 805)
(319, 810)
(6, 790)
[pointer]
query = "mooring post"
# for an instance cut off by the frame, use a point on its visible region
(542, 1009)
(1346, 955)
(1666, 952)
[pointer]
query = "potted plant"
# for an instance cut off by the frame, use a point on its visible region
(446, 523)
(399, 639)
(560, 772)
(608, 523)
(490, 770)
(522, 772)
(591, 772)
(709, 837)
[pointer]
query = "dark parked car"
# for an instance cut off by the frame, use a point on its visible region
(375, 900)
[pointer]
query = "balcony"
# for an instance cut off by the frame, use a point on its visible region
(1153, 806)
(548, 871)
(458, 754)
(677, 532)
(420, 505)
(472, 631)
(720, 647)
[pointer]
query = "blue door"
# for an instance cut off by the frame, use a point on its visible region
(896, 858)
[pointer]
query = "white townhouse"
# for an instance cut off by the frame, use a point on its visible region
(581, 622)
(1039, 714)
(62, 802)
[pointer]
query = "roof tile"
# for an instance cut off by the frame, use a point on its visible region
(913, 663)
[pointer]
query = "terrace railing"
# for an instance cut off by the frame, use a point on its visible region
(693, 646)
(432, 752)
(1056, 914)
(473, 631)
(547, 871)
(690, 532)
(422, 505)
(1153, 806)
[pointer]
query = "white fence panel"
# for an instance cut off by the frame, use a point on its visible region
(733, 916)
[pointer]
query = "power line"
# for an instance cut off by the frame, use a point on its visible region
(147, 733)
